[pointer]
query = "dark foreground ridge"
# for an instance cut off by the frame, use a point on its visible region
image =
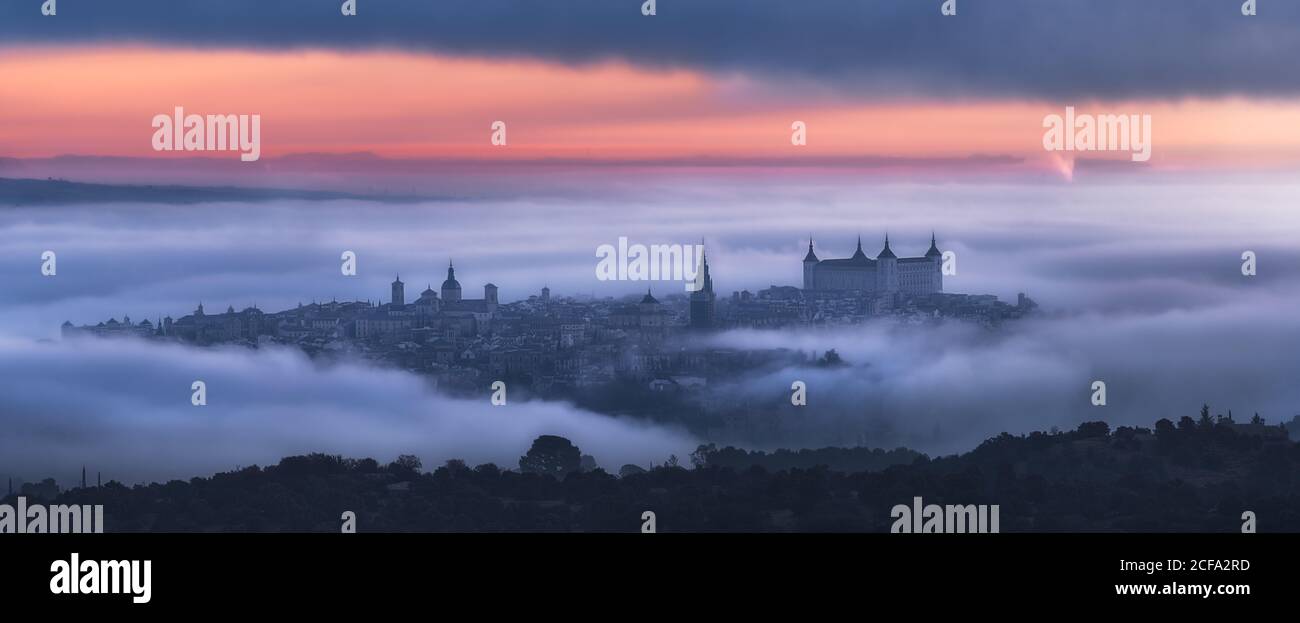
(1191, 476)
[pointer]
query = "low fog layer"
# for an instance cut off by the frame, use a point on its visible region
(122, 407)
(1104, 245)
(1140, 286)
(945, 389)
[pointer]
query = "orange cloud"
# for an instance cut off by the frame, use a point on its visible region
(100, 100)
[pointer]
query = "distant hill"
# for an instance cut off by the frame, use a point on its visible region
(850, 460)
(32, 192)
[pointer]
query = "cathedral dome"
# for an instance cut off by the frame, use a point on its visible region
(451, 283)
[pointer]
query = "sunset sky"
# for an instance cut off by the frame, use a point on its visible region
(672, 128)
(889, 79)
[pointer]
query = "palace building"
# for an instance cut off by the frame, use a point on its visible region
(886, 274)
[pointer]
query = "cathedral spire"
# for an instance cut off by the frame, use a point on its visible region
(701, 309)
(703, 281)
(858, 254)
(886, 252)
(649, 299)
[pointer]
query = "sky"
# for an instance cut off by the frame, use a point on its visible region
(716, 82)
(664, 129)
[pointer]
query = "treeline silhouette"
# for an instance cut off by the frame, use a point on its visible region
(1186, 476)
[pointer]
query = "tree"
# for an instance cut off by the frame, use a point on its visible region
(700, 457)
(630, 470)
(455, 467)
(1206, 422)
(831, 359)
(1094, 429)
(406, 465)
(367, 466)
(552, 456)
(1164, 428)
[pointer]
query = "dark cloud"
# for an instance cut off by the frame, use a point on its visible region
(1056, 49)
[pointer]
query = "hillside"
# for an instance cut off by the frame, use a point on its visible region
(1189, 476)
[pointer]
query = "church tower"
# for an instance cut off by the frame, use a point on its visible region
(702, 300)
(809, 268)
(936, 260)
(399, 293)
(886, 270)
(451, 287)
(490, 297)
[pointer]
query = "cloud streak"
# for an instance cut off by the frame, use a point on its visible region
(884, 48)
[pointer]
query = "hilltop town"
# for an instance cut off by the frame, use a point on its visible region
(557, 345)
